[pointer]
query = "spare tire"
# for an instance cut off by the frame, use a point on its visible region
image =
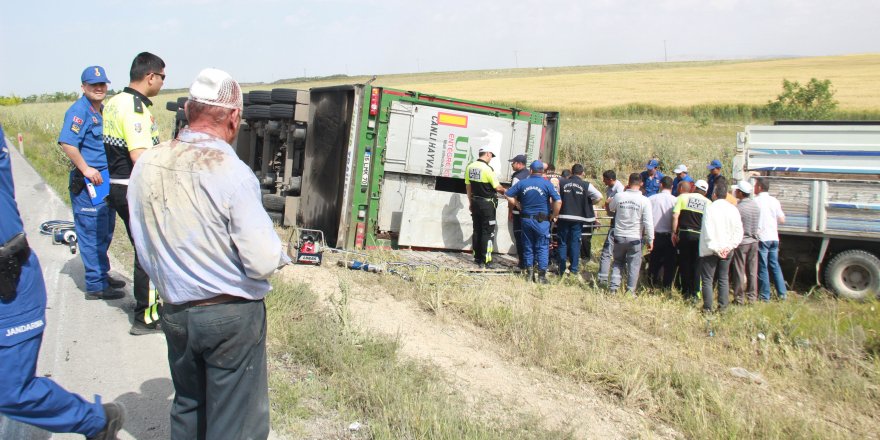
(854, 274)
(273, 202)
(281, 111)
(256, 112)
(284, 96)
(260, 97)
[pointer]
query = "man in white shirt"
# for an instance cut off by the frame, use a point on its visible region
(612, 188)
(205, 240)
(663, 255)
(719, 236)
(633, 222)
(768, 234)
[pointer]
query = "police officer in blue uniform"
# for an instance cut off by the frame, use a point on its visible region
(82, 139)
(532, 196)
(651, 178)
(33, 400)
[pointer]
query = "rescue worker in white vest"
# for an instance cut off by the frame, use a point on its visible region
(578, 198)
(520, 172)
(533, 197)
(482, 189)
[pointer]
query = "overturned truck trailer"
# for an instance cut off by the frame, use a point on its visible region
(385, 167)
(379, 167)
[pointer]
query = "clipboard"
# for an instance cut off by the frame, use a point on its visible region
(99, 192)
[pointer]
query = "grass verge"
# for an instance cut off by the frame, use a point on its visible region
(318, 357)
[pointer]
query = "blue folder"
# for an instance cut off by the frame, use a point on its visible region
(100, 191)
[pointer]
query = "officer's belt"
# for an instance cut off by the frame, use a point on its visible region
(541, 217)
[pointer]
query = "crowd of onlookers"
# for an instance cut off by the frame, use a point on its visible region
(704, 236)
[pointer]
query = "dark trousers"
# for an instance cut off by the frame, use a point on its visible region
(587, 242)
(688, 258)
(39, 401)
(517, 238)
(569, 234)
(217, 355)
(714, 267)
(483, 216)
(146, 308)
(662, 260)
(745, 273)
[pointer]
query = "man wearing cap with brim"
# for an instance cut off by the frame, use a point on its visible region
(687, 222)
(714, 168)
(208, 244)
(533, 198)
(82, 140)
(681, 175)
(745, 258)
(520, 172)
(482, 188)
(651, 178)
(129, 130)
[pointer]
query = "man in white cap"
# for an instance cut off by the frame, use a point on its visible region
(745, 258)
(482, 188)
(681, 175)
(205, 240)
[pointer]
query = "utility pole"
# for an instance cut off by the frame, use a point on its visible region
(665, 58)
(418, 66)
(516, 59)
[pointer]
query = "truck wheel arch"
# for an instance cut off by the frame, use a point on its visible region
(854, 274)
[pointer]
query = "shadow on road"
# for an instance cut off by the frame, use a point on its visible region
(148, 411)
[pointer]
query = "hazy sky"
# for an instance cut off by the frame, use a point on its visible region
(45, 45)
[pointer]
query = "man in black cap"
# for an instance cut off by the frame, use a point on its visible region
(520, 172)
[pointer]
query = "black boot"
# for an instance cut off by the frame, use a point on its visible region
(542, 277)
(530, 274)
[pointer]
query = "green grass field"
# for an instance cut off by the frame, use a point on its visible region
(819, 358)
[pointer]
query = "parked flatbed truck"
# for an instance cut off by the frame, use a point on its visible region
(827, 177)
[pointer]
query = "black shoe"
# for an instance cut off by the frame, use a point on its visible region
(115, 283)
(115, 415)
(530, 274)
(107, 293)
(542, 277)
(139, 328)
(489, 265)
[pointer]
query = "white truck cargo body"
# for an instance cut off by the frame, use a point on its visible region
(827, 178)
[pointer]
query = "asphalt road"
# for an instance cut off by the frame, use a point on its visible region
(86, 345)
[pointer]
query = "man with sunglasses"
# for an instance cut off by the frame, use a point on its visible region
(129, 130)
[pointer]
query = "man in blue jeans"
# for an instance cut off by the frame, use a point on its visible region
(771, 216)
(578, 198)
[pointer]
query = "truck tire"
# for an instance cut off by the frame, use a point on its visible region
(284, 96)
(256, 112)
(273, 202)
(281, 111)
(172, 106)
(854, 274)
(260, 97)
(182, 101)
(245, 99)
(276, 217)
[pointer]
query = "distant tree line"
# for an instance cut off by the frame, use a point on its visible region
(45, 97)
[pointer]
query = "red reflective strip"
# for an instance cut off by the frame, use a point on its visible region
(359, 235)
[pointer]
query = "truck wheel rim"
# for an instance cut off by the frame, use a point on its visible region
(856, 278)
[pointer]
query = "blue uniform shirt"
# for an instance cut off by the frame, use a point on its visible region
(533, 194)
(23, 317)
(83, 128)
(677, 180)
(652, 184)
